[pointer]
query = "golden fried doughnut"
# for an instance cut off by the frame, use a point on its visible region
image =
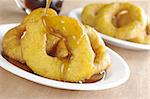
(72, 68)
(11, 40)
(121, 20)
(90, 12)
(50, 67)
(129, 31)
(11, 43)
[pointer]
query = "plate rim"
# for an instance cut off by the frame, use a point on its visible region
(132, 45)
(37, 79)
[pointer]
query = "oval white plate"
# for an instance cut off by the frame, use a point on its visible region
(119, 72)
(75, 13)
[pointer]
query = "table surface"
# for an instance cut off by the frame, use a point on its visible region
(137, 87)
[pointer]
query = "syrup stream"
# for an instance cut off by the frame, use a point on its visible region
(48, 2)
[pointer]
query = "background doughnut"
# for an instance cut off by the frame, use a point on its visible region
(104, 20)
(121, 20)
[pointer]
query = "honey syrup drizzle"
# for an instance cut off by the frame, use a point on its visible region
(64, 66)
(48, 2)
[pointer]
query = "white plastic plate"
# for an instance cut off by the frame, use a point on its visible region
(75, 13)
(119, 72)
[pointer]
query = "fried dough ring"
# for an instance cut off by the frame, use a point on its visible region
(104, 20)
(76, 41)
(11, 40)
(11, 43)
(12, 48)
(121, 20)
(50, 67)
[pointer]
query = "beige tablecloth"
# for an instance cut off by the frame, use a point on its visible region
(137, 87)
